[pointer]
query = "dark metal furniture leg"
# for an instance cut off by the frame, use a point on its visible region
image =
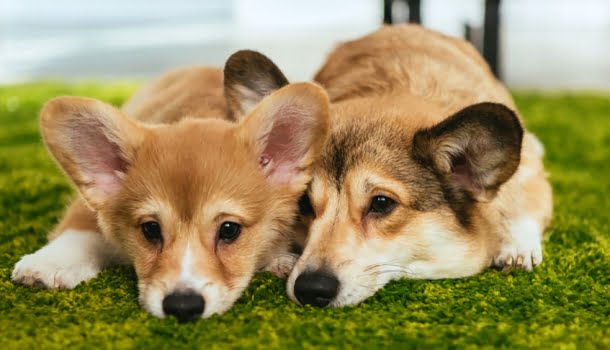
(491, 35)
(414, 11)
(387, 11)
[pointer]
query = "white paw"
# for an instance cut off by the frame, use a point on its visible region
(282, 265)
(42, 270)
(523, 249)
(68, 260)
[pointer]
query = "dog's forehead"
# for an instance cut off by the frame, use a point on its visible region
(383, 149)
(365, 144)
(191, 167)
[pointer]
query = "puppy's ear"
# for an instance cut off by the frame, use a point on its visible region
(93, 143)
(474, 151)
(287, 131)
(248, 77)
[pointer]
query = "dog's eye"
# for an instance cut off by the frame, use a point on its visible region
(152, 231)
(382, 205)
(229, 231)
(305, 207)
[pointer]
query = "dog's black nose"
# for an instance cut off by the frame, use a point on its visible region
(185, 306)
(316, 288)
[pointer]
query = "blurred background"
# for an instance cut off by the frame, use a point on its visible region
(542, 44)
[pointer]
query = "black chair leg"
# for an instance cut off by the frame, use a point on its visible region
(387, 11)
(491, 35)
(414, 11)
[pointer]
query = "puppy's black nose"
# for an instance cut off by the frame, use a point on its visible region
(185, 306)
(316, 288)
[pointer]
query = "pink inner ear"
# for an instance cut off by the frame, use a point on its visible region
(99, 158)
(463, 174)
(286, 144)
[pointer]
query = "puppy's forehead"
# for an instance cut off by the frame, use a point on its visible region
(382, 148)
(192, 135)
(191, 165)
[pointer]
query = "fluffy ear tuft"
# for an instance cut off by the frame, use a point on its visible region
(93, 143)
(288, 130)
(249, 76)
(474, 151)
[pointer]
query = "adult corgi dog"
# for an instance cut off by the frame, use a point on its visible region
(428, 172)
(194, 191)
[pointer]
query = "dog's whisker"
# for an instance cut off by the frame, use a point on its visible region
(345, 262)
(389, 271)
(238, 287)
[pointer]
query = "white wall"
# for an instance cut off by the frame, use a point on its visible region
(557, 44)
(545, 43)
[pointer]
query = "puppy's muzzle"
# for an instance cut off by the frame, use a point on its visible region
(185, 306)
(317, 288)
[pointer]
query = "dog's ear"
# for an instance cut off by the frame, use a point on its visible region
(249, 76)
(287, 131)
(474, 151)
(93, 143)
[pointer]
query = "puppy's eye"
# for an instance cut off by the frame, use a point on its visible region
(381, 205)
(229, 231)
(305, 207)
(152, 231)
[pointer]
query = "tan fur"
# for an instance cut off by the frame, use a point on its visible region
(190, 169)
(191, 91)
(429, 75)
(195, 92)
(409, 78)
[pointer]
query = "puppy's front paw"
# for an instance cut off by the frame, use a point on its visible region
(523, 249)
(45, 271)
(68, 260)
(282, 265)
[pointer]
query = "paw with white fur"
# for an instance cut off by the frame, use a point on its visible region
(42, 270)
(68, 260)
(522, 249)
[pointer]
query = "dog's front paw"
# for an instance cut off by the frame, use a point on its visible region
(45, 271)
(514, 256)
(523, 249)
(68, 260)
(282, 265)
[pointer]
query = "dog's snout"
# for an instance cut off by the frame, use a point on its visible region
(316, 288)
(185, 306)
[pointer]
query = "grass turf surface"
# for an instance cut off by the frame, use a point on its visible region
(564, 303)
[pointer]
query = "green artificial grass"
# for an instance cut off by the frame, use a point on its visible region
(563, 304)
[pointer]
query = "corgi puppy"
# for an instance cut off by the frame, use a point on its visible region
(197, 192)
(428, 172)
